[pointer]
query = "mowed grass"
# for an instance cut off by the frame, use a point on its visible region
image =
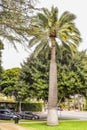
(63, 125)
(41, 125)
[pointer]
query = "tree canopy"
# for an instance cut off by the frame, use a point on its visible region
(14, 19)
(71, 75)
(9, 81)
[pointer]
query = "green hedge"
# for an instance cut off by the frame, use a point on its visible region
(11, 105)
(25, 106)
(31, 106)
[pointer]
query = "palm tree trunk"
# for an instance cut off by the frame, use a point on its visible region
(52, 118)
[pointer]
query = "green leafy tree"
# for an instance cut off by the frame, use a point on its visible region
(79, 66)
(9, 81)
(45, 27)
(72, 75)
(34, 73)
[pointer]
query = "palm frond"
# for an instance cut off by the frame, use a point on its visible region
(54, 12)
(69, 32)
(66, 17)
(34, 30)
(46, 51)
(66, 45)
(43, 19)
(75, 39)
(39, 48)
(72, 47)
(33, 41)
(1, 45)
(46, 12)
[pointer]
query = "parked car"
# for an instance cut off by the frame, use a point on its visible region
(7, 114)
(29, 115)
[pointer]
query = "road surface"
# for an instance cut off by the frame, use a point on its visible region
(68, 115)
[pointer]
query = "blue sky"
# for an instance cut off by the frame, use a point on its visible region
(11, 58)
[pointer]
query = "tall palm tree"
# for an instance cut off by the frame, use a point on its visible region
(44, 30)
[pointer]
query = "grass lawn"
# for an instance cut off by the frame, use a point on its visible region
(63, 125)
(41, 125)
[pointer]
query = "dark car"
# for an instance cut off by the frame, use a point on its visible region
(28, 115)
(7, 114)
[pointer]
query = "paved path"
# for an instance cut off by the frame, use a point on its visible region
(11, 126)
(82, 115)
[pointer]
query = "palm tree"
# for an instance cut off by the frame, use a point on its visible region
(44, 30)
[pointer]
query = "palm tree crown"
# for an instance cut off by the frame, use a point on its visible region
(47, 24)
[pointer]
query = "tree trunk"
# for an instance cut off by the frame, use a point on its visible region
(86, 103)
(52, 118)
(19, 105)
